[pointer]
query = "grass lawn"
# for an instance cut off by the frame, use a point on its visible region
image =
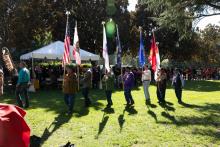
(196, 123)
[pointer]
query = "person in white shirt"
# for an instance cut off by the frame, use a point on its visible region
(146, 79)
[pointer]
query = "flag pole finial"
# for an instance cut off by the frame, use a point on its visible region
(103, 22)
(67, 13)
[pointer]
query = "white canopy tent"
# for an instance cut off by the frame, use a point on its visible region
(55, 50)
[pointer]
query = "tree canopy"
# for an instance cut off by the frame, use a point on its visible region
(26, 25)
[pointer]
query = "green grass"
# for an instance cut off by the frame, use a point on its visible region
(197, 123)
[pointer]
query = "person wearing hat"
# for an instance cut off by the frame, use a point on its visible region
(146, 79)
(178, 84)
(70, 88)
(23, 85)
(128, 79)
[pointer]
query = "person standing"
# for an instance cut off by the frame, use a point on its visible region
(146, 79)
(22, 85)
(161, 85)
(70, 85)
(87, 84)
(128, 79)
(109, 87)
(178, 83)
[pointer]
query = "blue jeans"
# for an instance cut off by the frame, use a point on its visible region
(128, 96)
(69, 101)
(109, 96)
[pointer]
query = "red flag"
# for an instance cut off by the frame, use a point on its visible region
(66, 55)
(154, 57)
(14, 132)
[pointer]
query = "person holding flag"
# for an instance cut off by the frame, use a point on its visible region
(146, 73)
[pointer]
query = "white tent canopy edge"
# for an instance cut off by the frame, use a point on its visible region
(55, 50)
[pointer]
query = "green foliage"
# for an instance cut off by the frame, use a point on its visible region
(42, 40)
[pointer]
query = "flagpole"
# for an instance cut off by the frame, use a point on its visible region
(78, 75)
(120, 57)
(67, 21)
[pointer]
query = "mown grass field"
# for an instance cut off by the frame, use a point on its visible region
(195, 123)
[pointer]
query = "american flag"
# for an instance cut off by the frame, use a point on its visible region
(66, 55)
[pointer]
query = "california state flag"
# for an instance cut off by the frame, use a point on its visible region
(76, 48)
(154, 57)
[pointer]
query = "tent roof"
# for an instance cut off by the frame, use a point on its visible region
(55, 50)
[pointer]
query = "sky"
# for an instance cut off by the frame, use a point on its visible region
(202, 23)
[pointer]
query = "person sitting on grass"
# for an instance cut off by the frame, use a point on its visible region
(109, 87)
(70, 85)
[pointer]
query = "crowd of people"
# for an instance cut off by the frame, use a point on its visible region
(126, 78)
(91, 78)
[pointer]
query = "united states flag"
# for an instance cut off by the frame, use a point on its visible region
(66, 55)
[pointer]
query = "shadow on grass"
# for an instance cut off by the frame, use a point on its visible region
(151, 113)
(121, 120)
(167, 107)
(102, 124)
(203, 86)
(55, 125)
(210, 117)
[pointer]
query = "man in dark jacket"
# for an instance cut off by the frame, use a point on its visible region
(87, 84)
(177, 82)
(128, 79)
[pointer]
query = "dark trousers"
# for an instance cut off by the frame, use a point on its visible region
(128, 96)
(85, 93)
(161, 91)
(22, 89)
(69, 101)
(109, 96)
(178, 92)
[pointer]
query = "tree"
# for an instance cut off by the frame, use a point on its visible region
(180, 14)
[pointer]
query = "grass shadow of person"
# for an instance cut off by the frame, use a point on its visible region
(167, 107)
(169, 103)
(82, 112)
(170, 117)
(121, 120)
(131, 110)
(151, 105)
(189, 105)
(152, 114)
(109, 110)
(55, 125)
(102, 124)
